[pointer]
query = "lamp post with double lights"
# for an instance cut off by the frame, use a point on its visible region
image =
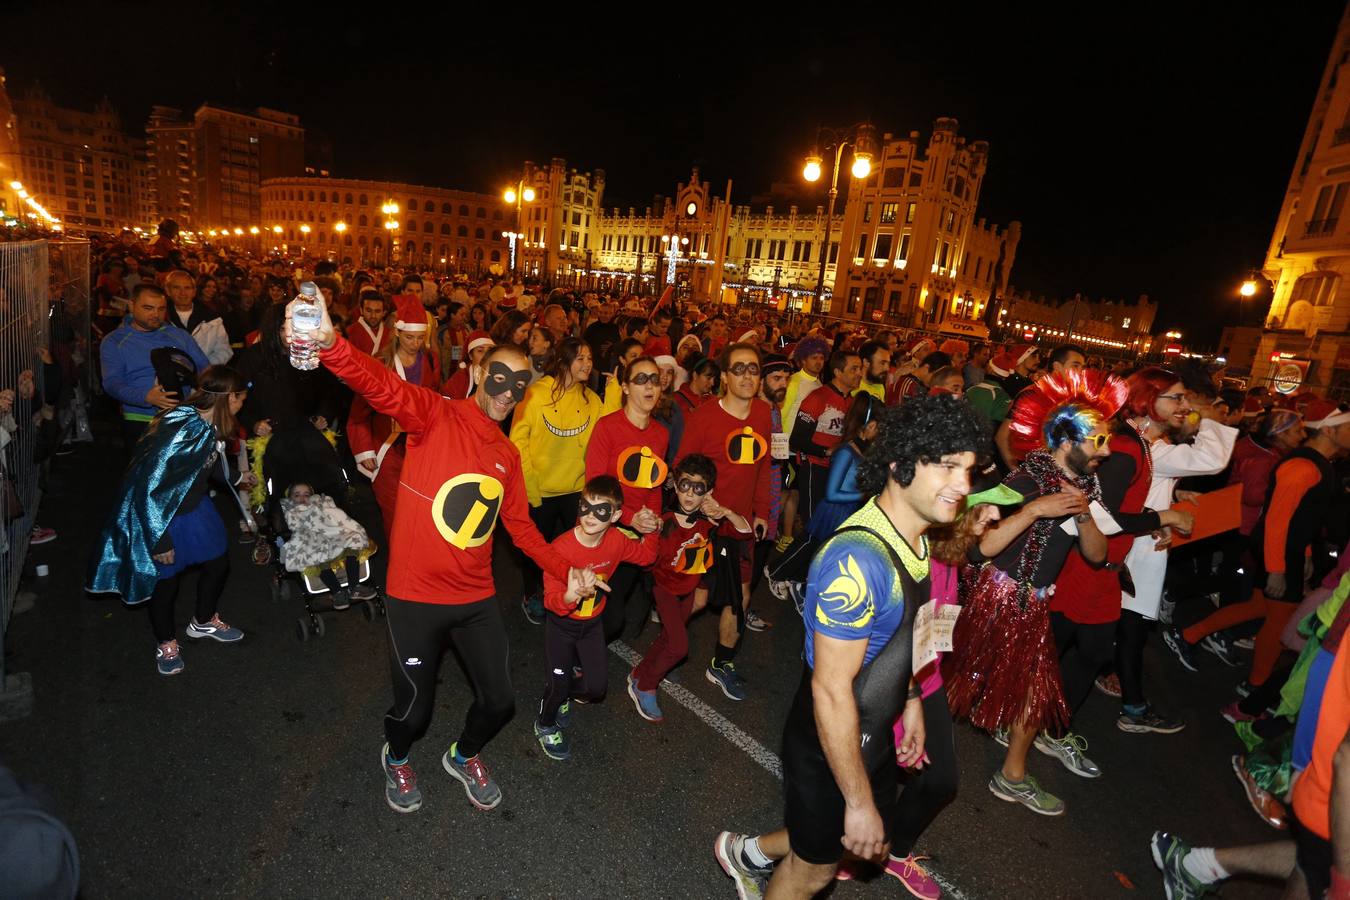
(671, 244)
(863, 139)
(390, 209)
(517, 196)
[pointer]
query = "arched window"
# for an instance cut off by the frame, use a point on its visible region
(478, 254)
(323, 196)
(347, 240)
(482, 213)
(364, 201)
(376, 243)
(463, 210)
(445, 228)
(323, 237)
(463, 231)
(462, 252)
(445, 209)
(412, 204)
(445, 250)
(412, 226)
(361, 221)
(348, 198)
(479, 234)
(360, 240)
(311, 196)
(426, 249)
(496, 256)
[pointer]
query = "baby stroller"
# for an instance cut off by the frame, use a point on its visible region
(308, 583)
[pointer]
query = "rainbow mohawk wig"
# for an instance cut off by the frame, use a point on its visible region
(1064, 406)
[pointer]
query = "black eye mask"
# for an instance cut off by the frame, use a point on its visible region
(502, 378)
(602, 511)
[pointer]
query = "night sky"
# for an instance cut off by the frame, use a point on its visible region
(1142, 156)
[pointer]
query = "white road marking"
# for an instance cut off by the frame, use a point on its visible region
(744, 742)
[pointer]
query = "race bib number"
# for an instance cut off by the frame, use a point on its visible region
(780, 445)
(933, 633)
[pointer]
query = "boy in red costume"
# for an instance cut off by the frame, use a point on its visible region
(573, 634)
(460, 475)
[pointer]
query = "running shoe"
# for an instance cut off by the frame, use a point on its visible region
(1028, 793)
(1166, 607)
(363, 593)
(729, 848)
(1271, 810)
(645, 701)
(216, 630)
(1244, 688)
(755, 622)
(553, 742)
(533, 607)
(168, 660)
(1169, 855)
(1000, 736)
(776, 587)
(1234, 714)
(1148, 720)
(564, 714)
(797, 593)
(1069, 750)
(1218, 644)
(478, 784)
(42, 535)
(1244, 643)
(1108, 684)
(913, 876)
(400, 785)
(342, 598)
(1183, 651)
(726, 678)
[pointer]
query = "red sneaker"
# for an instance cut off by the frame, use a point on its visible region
(42, 535)
(914, 877)
(1233, 713)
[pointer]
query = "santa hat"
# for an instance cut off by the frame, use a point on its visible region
(1003, 365)
(412, 316)
(1251, 408)
(665, 361)
(507, 302)
(920, 348)
(1325, 414)
(475, 340)
(1021, 352)
(750, 337)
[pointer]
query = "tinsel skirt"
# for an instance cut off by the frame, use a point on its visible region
(1004, 667)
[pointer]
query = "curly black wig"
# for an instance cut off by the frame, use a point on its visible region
(920, 430)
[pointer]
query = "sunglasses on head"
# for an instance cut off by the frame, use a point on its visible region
(642, 378)
(689, 486)
(743, 368)
(601, 511)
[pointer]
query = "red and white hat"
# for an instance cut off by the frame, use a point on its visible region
(1020, 353)
(1003, 365)
(411, 314)
(475, 340)
(1324, 414)
(1251, 407)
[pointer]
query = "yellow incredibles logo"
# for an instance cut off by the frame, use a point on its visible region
(639, 467)
(466, 509)
(745, 448)
(695, 558)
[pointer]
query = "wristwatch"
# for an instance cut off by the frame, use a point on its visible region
(1082, 517)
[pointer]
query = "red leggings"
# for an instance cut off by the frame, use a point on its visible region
(672, 644)
(1268, 645)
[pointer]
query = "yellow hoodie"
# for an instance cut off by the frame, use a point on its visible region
(552, 438)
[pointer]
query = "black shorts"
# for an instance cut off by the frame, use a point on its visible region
(814, 812)
(1313, 856)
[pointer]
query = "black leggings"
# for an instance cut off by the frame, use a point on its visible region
(811, 490)
(796, 562)
(552, 517)
(931, 789)
(626, 604)
(1130, 641)
(352, 563)
(1084, 650)
(568, 643)
(419, 634)
(210, 585)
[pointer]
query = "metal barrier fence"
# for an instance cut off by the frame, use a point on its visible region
(39, 282)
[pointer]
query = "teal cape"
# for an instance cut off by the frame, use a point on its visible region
(165, 463)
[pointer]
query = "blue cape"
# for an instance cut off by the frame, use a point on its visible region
(164, 464)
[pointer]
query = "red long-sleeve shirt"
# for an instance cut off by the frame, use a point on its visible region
(740, 449)
(615, 547)
(635, 456)
(460, 476)
(684, 555)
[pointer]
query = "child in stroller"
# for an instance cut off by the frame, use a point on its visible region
(318, 538)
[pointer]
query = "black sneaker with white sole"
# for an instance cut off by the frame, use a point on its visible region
(1183, 651)
(1218, 644)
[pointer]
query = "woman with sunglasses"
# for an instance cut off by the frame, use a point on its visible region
(842, 498)
(552, 428)
(630, 445)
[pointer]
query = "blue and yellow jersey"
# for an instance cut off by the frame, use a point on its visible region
(853, 591)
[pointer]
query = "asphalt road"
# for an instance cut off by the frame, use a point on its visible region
(255, 772)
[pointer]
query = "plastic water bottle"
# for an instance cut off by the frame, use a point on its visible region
(305, 321)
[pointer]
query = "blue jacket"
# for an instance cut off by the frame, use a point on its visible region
(127, 373)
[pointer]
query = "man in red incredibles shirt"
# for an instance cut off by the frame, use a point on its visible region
(735, 431)
(460, 476)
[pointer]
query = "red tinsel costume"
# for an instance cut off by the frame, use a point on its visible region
(1005, 666)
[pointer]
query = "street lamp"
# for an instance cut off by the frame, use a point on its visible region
(517, 196)
(863, 139)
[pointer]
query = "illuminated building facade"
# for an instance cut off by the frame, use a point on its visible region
(436, 227)
(1107, 327)
(1305, 342)
(560, 223)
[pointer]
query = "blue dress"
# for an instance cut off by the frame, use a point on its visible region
(842, 497)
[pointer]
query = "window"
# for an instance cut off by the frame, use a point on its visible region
(364, 201)
(445, 211)
(479, 234)
(867, 212)
(463, 231)
(853, 295)
(862, 250)
(348, 199)
(909, 213)
(496, 256)
(445, 229)
(894, 177)
(796, 251)
(888, 213)
(412, 226)
(893, 306)
(463, 210)
(904, 249)
(1327, 210)
(361, 221)
(412, 205)
(946, 250)
(481, 213)
(882, 248)
(915, 179)
(870, 300)
(834, 252)
(311, 196)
